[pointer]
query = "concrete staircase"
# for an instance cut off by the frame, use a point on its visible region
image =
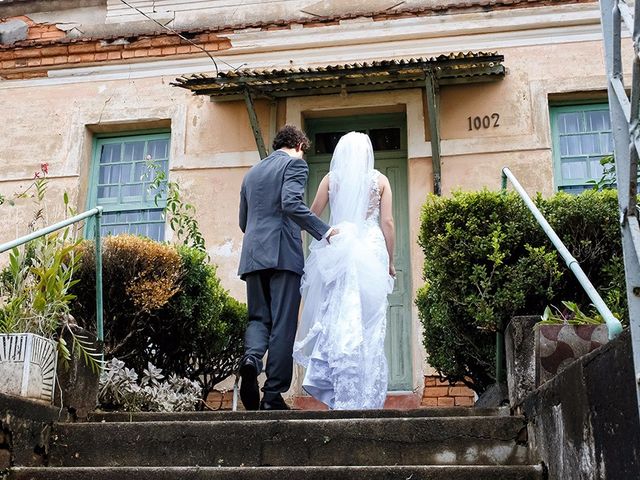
(427, 444)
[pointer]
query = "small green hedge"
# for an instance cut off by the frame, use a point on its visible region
(165, 305)
(486, 260)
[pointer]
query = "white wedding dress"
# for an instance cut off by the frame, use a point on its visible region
(340, 339)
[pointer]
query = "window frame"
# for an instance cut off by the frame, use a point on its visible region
(94, 171)
(555, 110)
(364, 122)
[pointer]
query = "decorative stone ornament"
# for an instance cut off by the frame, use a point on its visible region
(28, 366)
(559, 345)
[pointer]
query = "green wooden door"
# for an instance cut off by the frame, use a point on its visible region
(388, 135)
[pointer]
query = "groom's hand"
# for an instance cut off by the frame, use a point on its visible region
(334, 231)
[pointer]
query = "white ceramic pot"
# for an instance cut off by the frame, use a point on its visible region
(28, 366)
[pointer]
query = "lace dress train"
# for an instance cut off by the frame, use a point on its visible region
(341, 335)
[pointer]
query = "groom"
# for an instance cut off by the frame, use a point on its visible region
(272, 213)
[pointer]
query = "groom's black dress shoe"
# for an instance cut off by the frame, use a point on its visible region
(275, 404)
(249, 390)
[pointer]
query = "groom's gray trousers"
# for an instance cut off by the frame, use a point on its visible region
(273, 298)
(272, 214)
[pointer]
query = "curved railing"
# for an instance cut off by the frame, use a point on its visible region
(613, 324)
(94, 212)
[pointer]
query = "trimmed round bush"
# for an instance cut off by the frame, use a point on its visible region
(487, 260)
(164, 305)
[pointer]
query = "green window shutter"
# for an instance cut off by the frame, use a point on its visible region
(581, 136)
(120, 183)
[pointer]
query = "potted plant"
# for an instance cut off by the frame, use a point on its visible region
(565, 335)
(35, 301)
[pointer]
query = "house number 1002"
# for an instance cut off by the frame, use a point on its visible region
(488, 121)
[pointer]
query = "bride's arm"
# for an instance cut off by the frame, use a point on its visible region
(322, 197)
(386, 220)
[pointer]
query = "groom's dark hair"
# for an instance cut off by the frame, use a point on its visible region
(291, 136)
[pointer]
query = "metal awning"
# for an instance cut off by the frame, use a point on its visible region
(354, 77)
(384, 75)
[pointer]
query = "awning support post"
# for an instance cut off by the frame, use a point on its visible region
(433, 109)
(255, 126)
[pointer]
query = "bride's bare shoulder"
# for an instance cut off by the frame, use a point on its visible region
(383, 181)
(324, 183)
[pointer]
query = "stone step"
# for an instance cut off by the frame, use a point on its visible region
(294, 415)
(342, 442)
(284, 473)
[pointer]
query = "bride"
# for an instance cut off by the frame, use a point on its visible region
(340, 339)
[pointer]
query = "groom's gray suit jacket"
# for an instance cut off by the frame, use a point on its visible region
(272, 212)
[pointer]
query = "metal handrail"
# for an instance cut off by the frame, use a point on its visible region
(613, 324)
(97, 212)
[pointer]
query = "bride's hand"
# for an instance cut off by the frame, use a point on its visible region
(392, 270)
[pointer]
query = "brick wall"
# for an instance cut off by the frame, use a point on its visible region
(47, 49)
(221, 400)
(438, 393)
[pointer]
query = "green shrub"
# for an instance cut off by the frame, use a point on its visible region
(205, 326)
(139, 278)
(486, 260)
(188, 326)
(588, 224)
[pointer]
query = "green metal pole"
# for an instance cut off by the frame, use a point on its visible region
(99, 309)
(500, 370)
(433, 109)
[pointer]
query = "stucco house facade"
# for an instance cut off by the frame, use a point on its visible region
(93, 87)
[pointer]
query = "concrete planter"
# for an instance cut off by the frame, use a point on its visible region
(557, 346)
(28, 366)
(77, 383)
(521, 359)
